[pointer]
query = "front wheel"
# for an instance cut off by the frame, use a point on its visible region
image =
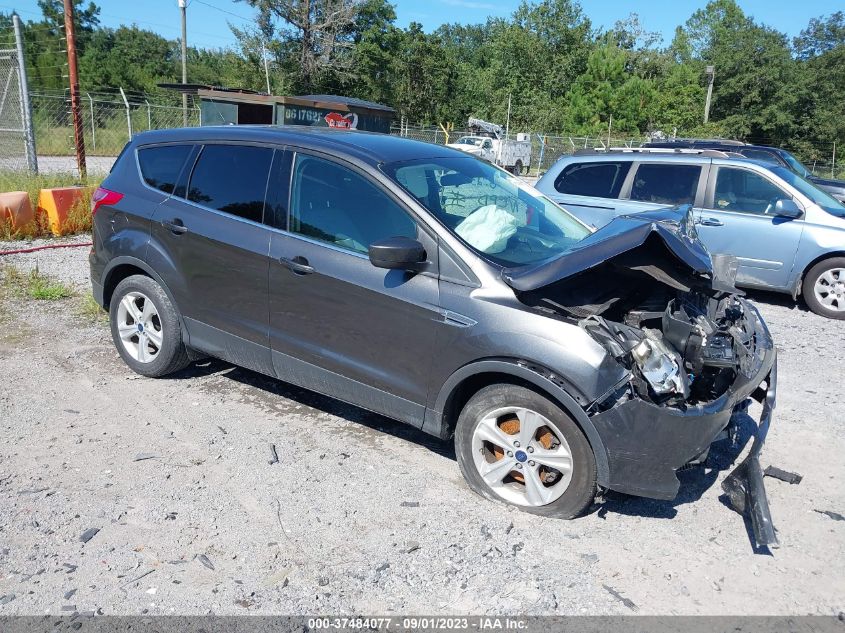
(824, 288)
(516, 446)
(517, 168)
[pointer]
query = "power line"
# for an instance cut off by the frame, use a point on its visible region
(234, 15)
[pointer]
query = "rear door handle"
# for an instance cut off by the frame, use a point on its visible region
(711, 222)
(298, 265)
(176, 226)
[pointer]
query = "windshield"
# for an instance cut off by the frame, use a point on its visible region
(824, 200)
(469, 140)
(493, 212)
(795, 164)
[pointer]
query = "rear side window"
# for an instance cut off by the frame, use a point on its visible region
(232, 179)
(666, 183)
(600, 180)
(161, 165)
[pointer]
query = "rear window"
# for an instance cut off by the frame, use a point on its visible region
(232, 179)
(161, 165)
(761, 155)
(600, 180)
(666, 183)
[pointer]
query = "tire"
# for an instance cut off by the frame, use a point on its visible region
(560, 495)
(154, 348)
(517, 169)
(824, 288)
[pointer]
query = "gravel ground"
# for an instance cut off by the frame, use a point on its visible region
(126, 495)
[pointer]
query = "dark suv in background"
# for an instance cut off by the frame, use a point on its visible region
(763, 153)
(432, 287)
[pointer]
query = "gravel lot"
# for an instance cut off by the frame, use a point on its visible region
(362, 514)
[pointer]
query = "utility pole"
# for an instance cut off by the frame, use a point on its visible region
(711, 75)
(183, 6)
(266, 67)
(26, 105)
(75, 107)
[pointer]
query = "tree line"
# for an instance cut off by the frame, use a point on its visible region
(560, 71)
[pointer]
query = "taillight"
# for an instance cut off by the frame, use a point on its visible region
(104, 197)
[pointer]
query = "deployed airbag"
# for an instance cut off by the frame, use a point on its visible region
(488, 229)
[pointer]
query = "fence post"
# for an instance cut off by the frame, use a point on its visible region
(833, 162)
(128, 116)
(542, 138)
(93, 123)
(150, 116)
(26, 106)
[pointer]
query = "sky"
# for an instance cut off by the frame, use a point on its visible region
(207, 19)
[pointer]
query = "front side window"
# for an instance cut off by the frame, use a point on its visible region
(336, 205)
(599, 180)
(493, 212)
(162, 164)
(744, 191)
(232, 179)
(666, 183)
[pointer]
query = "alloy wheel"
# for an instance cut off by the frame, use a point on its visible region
(139, 327)
(522, 456)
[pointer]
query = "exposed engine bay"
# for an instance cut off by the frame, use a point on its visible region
(685, 334)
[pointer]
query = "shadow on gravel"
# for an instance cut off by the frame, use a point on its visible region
(695, 481)
(776, 299)
(278, 392)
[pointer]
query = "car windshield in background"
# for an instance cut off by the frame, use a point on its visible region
(821, 198)
(468, 140)
(795, 165)
(492, 211)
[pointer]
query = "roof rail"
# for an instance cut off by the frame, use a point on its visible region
(710, 153)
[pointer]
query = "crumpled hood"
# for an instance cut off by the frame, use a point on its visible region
(671, 228)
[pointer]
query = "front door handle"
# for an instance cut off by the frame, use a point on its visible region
(711, 222)
(176, 226)
(298, 265)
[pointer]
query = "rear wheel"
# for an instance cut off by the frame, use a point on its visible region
(824, 288)
(516, 446)
(517, 168)
(145, 328)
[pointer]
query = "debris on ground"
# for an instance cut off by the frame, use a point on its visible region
(88, 534)
(411, 546)
(142, 456)
(833, 515)
(205, 561)
(626, 601)
(783, 475)
(274, 456)
(410, 504)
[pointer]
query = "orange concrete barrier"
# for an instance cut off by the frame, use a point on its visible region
(16, 209)
(58, 203)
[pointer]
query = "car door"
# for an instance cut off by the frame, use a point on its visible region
(338, 324)
(590, 189)
(737, 219)
(211, 244)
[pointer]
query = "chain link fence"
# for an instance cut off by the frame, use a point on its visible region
(12, 127)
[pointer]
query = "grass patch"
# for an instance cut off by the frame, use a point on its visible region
(89, 309)
(33, 285)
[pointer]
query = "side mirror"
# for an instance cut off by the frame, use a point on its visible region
(401, 253)
(787, 208)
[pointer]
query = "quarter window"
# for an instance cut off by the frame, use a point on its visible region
(600, 180)
(336, 205)
(161, 165)
(666, 183)
(745, 191)
(232, 179)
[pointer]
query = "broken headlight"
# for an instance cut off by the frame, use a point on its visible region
(660, 366)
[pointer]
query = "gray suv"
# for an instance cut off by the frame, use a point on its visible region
(788, 235)
(434, 288)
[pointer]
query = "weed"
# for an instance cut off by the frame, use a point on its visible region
(33, 285)
(90, 309)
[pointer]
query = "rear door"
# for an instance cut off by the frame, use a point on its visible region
(590, 190)
(737, 219)
(210, 239)
(338, 324)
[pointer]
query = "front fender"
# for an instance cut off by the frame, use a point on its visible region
(540, 377)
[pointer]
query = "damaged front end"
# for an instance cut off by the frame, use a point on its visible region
(645, 288)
